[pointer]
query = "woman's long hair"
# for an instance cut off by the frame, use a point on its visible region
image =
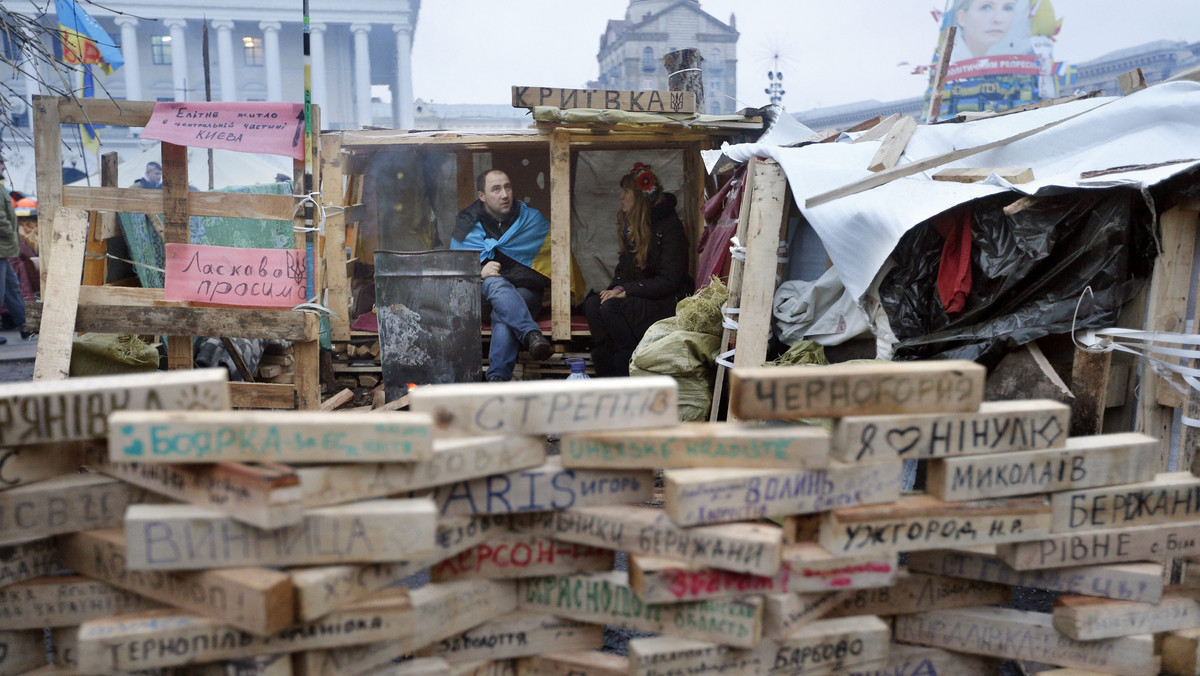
(633, 228)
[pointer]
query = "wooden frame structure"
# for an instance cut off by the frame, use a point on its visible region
(345, 155)
(64, 234)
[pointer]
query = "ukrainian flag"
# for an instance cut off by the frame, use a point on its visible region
(84, 41)
(87, 89)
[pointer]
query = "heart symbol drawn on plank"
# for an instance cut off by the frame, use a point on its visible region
(902, 441)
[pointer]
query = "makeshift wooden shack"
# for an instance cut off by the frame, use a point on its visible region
(404, 188)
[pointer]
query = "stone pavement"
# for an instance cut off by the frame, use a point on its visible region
(16, 357)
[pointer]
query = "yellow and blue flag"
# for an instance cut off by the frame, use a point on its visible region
(87, 89)
(84, 41)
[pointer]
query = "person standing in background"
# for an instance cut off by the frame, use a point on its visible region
(10, 286)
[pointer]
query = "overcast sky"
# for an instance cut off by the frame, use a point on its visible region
(473, 51)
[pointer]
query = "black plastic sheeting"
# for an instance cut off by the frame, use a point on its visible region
(1029, 271)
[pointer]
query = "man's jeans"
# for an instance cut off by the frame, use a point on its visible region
(513, 310)
(10, 293)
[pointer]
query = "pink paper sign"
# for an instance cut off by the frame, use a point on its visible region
(271, 128)
(222, 275)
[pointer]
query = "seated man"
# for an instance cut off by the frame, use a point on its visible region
(152, 179)
(509, 235)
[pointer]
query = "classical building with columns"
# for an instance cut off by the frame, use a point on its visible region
(255, 54)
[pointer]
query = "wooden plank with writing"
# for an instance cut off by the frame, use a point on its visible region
(264, 496)
(606, 598)
(663, 655)
(658, 580)
(453, 460)
(785, 613)
(1085, 462)
(546, 487)
(702, 496)
(420, 666)
(1086, 618)
(923, 522)
(257, 600)
(185, 537)
(919, 592)
(549, 407)
(816, 569)
(582, 663)
(513, 556)
(1113, 545)
(647, 101)
(739, 547)
(322, 589)
(485, 668)
(1128, 582)
(63, 505)
(279, 664)
(997, 427)
(27, 559)
(517, 634)
(268, 436)
(910, 660)
(700, 445)
(22, 465)
(439, 610)
(167, 638)
(64, 601)
(62, 265)
(21, 651)
(1167, 498)
(785, 393)
(70, 410)
(827, 646)
(1025, 635)
(1181, 652)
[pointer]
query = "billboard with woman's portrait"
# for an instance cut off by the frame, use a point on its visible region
(1003, 54)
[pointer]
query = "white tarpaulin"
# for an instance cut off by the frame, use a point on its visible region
(1158, 124)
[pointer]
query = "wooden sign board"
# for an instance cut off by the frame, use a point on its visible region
(1024, 635)
(546, 487)
(606, 598)
(21, 651)
(589, 663)
(919, 592)
(1181, 651)
(168, 638)
(27, 559)
(183, 537)
(22, 465)
(517, 555)
(702, 496)
(1085, 618)
(997, 427)
(549, 406)
(1116, 545)
(1167, 498)
(1085, 462)
(453, 460)
(785, 613)
(322, 589)
(828, 646)
(605, 99)
(48, 411)
(439, 611)
(1127, 582)
(518, 634)
(257, 600)
(738, 547)
(700, 445)
(815, 569)
(264, 496)
(63, 505)
(924, 522)
(234, 276)
(268, 436)
(788, 393)
(64, 601)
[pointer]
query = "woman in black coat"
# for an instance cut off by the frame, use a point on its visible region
(651, 275)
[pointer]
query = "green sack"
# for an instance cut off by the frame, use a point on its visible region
(101, 354)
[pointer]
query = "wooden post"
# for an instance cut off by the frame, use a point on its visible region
(176, 230)
(735, 283)
(333, 197)
(684, 74)
(767, 217)
(95, 266)
(693, 206)
(62, 272)
(464, 161)
(47, 147)
(939, 83)
(560, 235)
(1089, 384)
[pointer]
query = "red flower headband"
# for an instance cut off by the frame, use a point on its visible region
(644, 179)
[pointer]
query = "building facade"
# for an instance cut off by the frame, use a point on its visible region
(631, 49)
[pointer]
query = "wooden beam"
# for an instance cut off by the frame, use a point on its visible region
(28, 559)
(893, 144)
(879, 130)
(767, 220)
(814, 569)
(920, 592)
(939, 78)
(64, 601)
(699, 445)
(518, 634)
(67, 504)
(142, 201)
(1113, 545)
(1089, 384)
(306, 370)
(1180, 649)
(95, 266)
(658, 580)
(23, 465)
(511, 556)
(110, 112)
(263, 395)
(1085, 618)
(548, 486)
(23, 650)
(561, 259)
(581, 663)
(1167, 498)
(1131, 81)
(47, 148)
(736, 274)
(333, 197)
(814, 648)
(785, 613)
(200, 321)
(975, 175)
(67, 242)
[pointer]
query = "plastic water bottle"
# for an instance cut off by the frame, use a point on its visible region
(578, 368)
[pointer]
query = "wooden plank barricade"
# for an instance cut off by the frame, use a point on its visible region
(1114, 545)
(1086, 618)
(547, 487)
(1169, 497)
(64, 601)
(699, 445)
(518, 634)
(65, 504)
(27, 559)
